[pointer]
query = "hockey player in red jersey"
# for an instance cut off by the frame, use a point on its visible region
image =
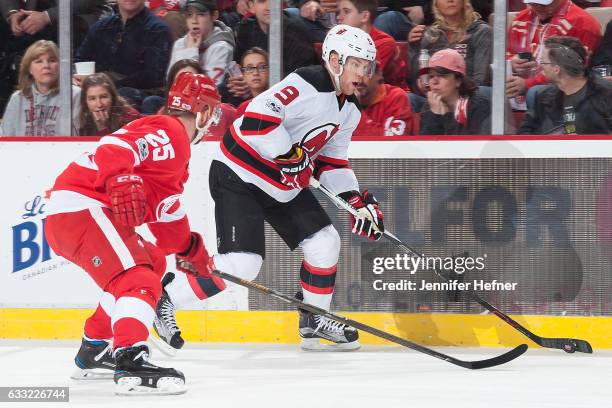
(298, 128)
(134, 176)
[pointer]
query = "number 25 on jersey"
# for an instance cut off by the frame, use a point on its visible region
(162, 148)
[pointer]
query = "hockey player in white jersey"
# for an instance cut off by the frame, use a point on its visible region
(300, 127)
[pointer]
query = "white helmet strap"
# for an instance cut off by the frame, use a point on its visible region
(334, 75)
(201, 130)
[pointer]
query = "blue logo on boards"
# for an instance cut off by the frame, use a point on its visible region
(29, 243)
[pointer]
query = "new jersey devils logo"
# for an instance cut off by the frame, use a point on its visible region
(316, 138)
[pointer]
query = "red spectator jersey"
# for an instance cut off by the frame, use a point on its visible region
(527, 32)
(389, 115)
(394, 67)
(156, 148)
(168, 5)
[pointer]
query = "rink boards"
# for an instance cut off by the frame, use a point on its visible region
(42, 296)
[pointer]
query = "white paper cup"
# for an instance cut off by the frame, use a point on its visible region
(85, 68)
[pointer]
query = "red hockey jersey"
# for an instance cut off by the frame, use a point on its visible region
(527, 33)
(156, 148)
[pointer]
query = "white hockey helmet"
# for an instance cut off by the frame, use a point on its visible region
(348, 41)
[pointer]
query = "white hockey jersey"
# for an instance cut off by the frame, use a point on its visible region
(303, 109)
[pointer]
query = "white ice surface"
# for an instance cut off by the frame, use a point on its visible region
(249, 376)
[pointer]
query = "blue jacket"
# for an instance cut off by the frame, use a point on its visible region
(138, 51)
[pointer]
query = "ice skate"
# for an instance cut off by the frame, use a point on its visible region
(135, 375)
(315, 327)
(169, 339)
(94, 361)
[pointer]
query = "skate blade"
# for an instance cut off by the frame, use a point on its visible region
(316, 345)
(161, 345)
(92, 374)
(131, 386)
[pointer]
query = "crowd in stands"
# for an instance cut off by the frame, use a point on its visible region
(433, 70)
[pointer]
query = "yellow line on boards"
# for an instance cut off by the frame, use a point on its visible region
(282, 327)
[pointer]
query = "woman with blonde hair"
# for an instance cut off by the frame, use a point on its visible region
(102, 110)
(35, 109)
(459, 27)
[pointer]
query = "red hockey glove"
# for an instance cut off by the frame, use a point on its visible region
(195, 259)
(127, 198)
(296, 168)
(369, 220)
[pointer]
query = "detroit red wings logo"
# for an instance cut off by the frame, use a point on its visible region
(316, 138)
(169, 209)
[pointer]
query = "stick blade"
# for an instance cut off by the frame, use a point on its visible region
(567, 345)
(495, 361)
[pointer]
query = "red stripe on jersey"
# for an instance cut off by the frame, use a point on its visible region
(251, 151)
(259, 132)
(249, 168)
(316, 270)
(322, 169)
(319, 291)
(336, 162)
(261, 116)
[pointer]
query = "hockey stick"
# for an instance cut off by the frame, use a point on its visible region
(566, 344)
(473, 365)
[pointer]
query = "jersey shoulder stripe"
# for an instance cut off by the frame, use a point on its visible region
(246, 157)
(257, 124)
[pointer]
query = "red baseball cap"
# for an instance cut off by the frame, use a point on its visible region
(447, 59)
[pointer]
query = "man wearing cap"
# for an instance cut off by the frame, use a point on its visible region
(208, 40)
(454, 104)
(577, 101)
(531, 27)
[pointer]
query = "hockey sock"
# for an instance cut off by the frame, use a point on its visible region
(188, 289)
(98, 325)
(204, 288)
(318, 284)
(137, 291)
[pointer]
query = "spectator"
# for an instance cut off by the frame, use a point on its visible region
(227, 113)
(532, 26)
(454, 104)
(32, 20)
(459, 27)
(385, 108)
(298, 50)
(361, 14)
(34, 109)
(132, 48)
(232, 17)
(603, 56)
(102, 110)
(24, 22)
(310, 13)
(208, 40)
(400, 16)
(170, 12)
(255, 70)
(576, 102)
